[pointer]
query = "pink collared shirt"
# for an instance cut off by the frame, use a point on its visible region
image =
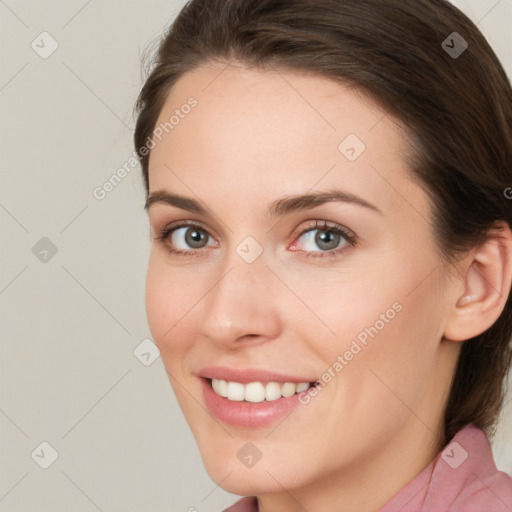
(462, 478)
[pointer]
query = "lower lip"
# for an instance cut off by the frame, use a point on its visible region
(247, 414)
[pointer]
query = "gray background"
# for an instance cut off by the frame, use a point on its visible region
(71, 323)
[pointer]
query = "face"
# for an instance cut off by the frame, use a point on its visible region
(246, 283)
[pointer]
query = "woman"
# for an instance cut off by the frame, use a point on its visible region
(330, 274)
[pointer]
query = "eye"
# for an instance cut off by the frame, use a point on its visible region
(184, 239)
(324, 239)
(188, 238)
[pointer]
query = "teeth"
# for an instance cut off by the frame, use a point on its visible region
(220, 387)
(288, 389)
(272, 391)
(302, 386)
(256, 391)
(235, 391)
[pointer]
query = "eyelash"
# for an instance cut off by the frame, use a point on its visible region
(164, 234)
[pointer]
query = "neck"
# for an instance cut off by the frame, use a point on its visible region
(370, 485)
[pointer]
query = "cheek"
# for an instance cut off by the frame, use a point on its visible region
(168, 300)
(344, 305)
(158, 302)
(379, 320)
(396, 337)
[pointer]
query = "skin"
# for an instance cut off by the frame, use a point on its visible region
(257, 136)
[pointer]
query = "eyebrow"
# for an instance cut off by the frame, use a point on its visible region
(278, 208)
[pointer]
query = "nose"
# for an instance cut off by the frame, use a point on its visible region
(241, 306)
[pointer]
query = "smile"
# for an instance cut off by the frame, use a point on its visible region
(252, 397)
(257, 391)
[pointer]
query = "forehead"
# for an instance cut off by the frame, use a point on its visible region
(270, 132)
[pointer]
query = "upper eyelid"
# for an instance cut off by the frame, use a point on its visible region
(325, 225)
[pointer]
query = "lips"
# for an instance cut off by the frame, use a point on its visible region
(251, 398)
(251, 375)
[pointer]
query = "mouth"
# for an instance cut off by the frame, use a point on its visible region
(252, 404)
(257, 391)
(252, 397)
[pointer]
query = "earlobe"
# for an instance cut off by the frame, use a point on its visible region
(486, 286)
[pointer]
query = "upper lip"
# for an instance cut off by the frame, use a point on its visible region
(248, 375)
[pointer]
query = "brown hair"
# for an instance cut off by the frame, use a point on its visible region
(457, 109)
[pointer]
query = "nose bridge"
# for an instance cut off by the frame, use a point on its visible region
(244, 266)
(240, 301)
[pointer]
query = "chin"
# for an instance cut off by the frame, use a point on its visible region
(264, 477)
(245, 482)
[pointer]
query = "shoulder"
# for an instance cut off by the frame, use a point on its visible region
(467, 478)
(462, 478)
(489, 493)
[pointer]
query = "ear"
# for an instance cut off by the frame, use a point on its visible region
(486, 279)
